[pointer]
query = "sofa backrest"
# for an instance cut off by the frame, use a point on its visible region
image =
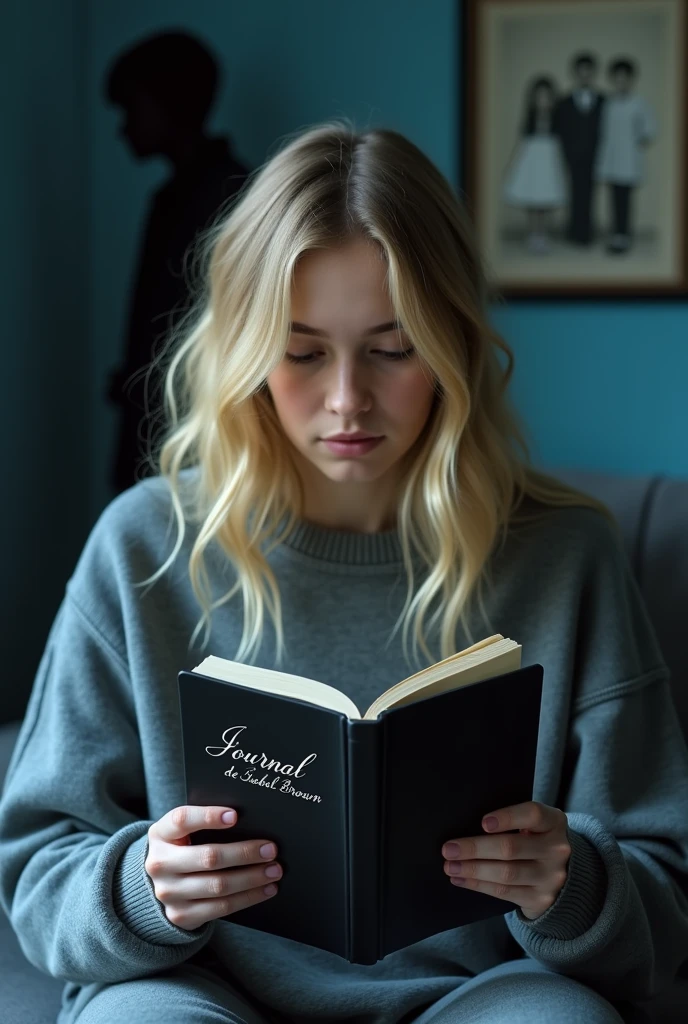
(652, 512)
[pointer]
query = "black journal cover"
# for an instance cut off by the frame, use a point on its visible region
(359, 810)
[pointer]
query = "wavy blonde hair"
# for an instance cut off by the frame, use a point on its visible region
(468, 473)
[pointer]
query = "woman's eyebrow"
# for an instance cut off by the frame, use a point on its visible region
(298, 328)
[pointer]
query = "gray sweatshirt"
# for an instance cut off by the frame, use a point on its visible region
(98, 760)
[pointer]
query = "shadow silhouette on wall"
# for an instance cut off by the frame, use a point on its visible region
(165, 86)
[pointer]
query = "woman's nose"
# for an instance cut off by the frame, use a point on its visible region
(348, 394)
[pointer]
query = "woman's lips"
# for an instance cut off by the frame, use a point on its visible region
(352, 449)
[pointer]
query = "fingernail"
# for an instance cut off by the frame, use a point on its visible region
(452, 850)
(268, 851)
(270, 890)
(490, 823)
(229, 817)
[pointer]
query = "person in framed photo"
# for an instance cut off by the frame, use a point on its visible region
(628, 125)
(577, 123)
(536, 177)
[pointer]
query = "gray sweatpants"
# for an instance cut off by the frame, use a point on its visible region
(516, 992)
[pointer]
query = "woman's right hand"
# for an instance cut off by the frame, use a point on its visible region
(192, 882)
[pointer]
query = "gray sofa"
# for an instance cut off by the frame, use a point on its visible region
(653, 512)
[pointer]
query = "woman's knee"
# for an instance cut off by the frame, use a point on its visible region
(544, 996)
(522, 992)
(182, 995)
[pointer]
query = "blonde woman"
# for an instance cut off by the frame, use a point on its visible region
(344, 493)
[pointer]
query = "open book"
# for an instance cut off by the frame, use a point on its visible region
(491, 657)
(360, 806)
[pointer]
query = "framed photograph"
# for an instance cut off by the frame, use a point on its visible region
(575, 142)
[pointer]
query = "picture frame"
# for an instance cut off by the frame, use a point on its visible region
(574, 149)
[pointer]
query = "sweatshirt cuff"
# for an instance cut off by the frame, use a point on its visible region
(137, 906)
(589, 909)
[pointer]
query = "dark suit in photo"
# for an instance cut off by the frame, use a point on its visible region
(577, 123)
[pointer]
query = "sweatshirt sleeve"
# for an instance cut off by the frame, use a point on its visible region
(74, 820)
(620, 923)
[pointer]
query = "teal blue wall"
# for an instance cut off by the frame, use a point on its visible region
(603, 386)
(44, 511)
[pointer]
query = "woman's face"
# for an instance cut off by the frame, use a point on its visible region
(351, 371)
(543, 98)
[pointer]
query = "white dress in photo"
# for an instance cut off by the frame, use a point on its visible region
(626, 122)
(536, 176)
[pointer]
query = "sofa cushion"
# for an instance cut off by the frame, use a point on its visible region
(652, 512)
(27, 995)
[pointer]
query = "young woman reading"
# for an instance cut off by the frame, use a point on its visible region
(343, 492)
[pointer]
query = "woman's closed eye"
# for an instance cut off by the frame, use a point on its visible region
(392, 356)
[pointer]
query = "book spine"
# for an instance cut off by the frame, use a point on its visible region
(364, 821)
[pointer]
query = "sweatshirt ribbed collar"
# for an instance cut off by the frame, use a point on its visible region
(345, 547)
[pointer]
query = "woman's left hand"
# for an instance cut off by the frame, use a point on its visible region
(528, 869)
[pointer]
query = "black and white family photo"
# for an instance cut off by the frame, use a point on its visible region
(574, 154)
(569, 143)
